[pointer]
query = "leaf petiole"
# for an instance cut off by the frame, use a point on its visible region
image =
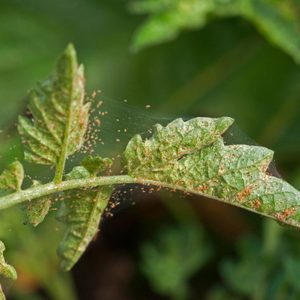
(36, 192)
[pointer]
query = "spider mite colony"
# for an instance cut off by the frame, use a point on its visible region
(190, 156)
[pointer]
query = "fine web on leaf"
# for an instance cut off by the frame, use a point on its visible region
(120, 121)
(114, 122)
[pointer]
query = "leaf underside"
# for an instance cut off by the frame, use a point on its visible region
(37, 210)
(192, 155)
(81, 211)
(58, 125)
(60, 115)
(277, 20)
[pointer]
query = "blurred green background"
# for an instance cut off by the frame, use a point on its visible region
(167, 246)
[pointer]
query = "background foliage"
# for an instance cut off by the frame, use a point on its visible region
(224, 66)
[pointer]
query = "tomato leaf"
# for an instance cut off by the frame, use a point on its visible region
(60, 114)
(192, 156)
(37, 210)
(81, 211)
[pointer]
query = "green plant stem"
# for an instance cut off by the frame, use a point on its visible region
(52, 188)
(271, 241)
(36, 192)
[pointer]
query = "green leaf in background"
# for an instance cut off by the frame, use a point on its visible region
(297, 179)
(173, 258)
(60, 115)
(266, 268)
(245, 275)
(12, 178)
(81, 211)
(192, 156)
(7, 272)
(220, 293)
(277, 20)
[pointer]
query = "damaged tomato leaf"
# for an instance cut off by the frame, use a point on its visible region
(81, 211)
(192, 156)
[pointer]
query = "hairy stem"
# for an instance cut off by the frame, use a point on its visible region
(53, 188)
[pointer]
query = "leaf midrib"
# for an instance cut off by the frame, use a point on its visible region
(64, 149)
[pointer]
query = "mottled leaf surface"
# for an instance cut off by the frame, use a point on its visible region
(192, 155)
(277, 20)
(81, 211)
(60, 115)
(7, 272)
(12, 178)
(159, 153)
